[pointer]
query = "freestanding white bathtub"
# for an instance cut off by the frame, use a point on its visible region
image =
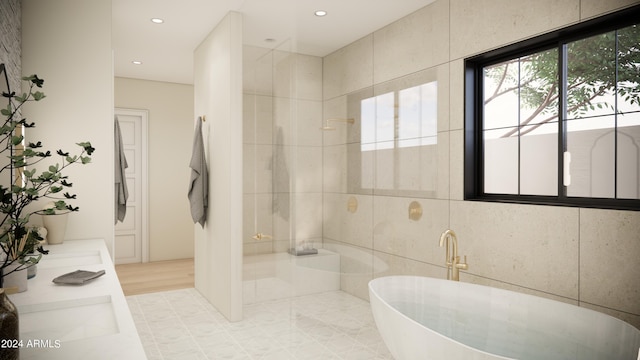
(428, 318)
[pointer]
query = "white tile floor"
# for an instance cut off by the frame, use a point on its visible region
(181, 324)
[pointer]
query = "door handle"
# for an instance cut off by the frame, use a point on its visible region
(567, 169)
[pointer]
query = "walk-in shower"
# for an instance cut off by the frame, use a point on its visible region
(286, 188)
(283, 255)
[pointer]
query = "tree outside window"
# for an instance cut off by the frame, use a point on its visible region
(561, 122)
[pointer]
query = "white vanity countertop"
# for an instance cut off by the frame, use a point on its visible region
(90, 321)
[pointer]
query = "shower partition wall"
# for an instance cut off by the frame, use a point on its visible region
(283, 176)
(338, 166)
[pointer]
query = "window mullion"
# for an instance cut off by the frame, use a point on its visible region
(562, 115)
(615, 122)
(519, 125)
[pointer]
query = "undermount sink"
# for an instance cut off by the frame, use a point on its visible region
(72, 258)
(68, 320)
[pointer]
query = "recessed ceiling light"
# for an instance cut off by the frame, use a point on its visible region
(320, 13)
(157, 20)
(136, 62)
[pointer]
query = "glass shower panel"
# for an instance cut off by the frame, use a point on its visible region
(284, 147)
(283, 172)
(258, 176)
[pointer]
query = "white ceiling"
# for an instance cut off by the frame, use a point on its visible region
(166, 50)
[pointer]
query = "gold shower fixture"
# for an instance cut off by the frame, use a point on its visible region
(327, 123)
(415, 211)
(352, 204)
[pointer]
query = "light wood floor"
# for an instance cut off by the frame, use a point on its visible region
(155, 276)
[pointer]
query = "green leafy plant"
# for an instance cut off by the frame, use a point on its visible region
(18, 241)
(600, 67)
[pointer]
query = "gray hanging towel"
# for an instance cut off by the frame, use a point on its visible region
(199, 184)
(122, 193)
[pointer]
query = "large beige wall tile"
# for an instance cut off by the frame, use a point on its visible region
(297, 76)
(307, 123)
(480, 25)
(298, 121)
(592, 8)
(359, 170)
(348, 69)
(308, 209)
(526, 245)
(284, 74)
(398, 265)
(456, 165)
(345, 169)
(308, 169)
(353, 228)
(443, 177)
(415, 42)
(444, 96)
(456, 87)
(336, 108)
(334, 163)
(609, 253)
(295, 216)
(308, 72)
(394, 233)
(470, 278)
(284, 116)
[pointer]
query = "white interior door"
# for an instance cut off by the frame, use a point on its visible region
(131, 235)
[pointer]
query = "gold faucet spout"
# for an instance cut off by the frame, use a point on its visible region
(444, 241)
(452, 260)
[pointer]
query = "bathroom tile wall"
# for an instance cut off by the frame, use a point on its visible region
(574, 255)
(10, 41)
(417, 42)
(478, 26)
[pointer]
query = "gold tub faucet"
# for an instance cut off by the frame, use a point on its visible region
(452, 259)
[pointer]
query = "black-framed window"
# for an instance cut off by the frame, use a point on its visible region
(556, 119)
